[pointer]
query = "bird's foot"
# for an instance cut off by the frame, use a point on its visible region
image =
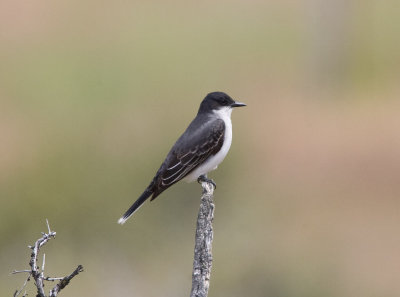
(203, 178)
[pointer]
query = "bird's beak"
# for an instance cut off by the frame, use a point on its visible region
(238, 104)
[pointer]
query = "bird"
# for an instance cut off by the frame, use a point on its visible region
(199, 150)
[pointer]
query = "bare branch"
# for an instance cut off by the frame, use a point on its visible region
(48, 226)
(65, 281)
(20, 271)
(17, 292)
(52, 279)
(38, 275)
(203, 243)
(43, 262)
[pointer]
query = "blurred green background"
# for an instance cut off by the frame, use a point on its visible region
(93, 94)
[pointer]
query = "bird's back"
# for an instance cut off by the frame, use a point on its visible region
(203, 138)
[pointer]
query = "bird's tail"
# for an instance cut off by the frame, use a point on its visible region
(135, 206)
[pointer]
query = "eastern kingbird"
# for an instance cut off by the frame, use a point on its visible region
(199, 150)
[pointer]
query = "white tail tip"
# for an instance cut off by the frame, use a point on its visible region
(121, 221)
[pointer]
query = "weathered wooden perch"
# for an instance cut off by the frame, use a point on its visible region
(37, 273)
(203, 243)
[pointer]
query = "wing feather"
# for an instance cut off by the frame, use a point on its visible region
(190, 151)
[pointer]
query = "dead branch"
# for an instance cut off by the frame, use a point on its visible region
(38, 274)
(203, 243)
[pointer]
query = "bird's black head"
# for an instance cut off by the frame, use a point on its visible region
(216, 101)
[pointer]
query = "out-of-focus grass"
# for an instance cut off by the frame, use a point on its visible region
(93, 96)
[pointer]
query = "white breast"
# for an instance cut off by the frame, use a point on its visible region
(213, 162)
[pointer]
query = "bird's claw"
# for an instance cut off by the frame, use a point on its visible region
(203, 178)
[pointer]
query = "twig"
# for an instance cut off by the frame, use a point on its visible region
(203, 243)
(38, 275)
(20, 271)
(52, 279)
(17, 292)
(48, 226)
(65, 281)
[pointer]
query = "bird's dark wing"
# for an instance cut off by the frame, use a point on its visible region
(193, 148)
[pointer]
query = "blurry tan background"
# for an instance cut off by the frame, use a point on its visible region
(93, 94)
